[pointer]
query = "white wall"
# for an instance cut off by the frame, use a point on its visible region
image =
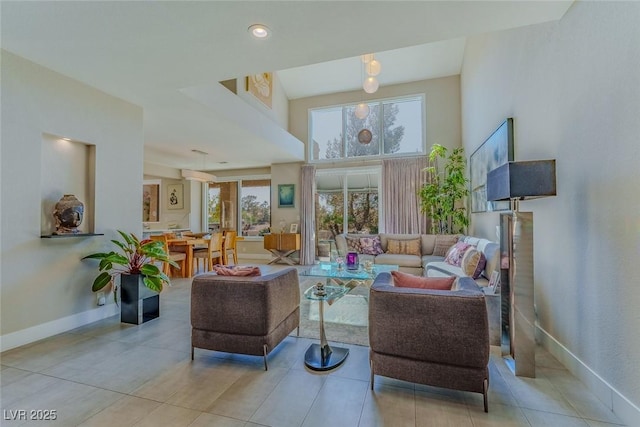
(45, 287)
(573, 89)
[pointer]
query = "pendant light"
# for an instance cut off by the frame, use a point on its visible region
(362, 110)
(370, 84)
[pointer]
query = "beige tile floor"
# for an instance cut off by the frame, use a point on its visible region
(111, 374)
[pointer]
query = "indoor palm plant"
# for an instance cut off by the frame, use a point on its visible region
(133, 257)
(442, 197)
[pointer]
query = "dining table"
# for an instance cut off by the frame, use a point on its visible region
(188, 243)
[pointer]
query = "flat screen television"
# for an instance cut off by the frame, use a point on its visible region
(495, 151)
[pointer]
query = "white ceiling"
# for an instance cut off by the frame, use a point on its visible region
(168, 58)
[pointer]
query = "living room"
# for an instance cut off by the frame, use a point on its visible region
(570, 84)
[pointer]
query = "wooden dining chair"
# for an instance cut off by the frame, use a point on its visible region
(213, 251)
(229, 247)
(178, 257)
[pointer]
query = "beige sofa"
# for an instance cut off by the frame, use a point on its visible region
(427, 263)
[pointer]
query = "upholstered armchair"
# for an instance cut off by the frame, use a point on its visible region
(247, 315)
(434, 337)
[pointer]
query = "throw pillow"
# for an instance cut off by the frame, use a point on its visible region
(454, 256)
(371, 245)
(404, 247)
(236, 270)
(473, 262)
(353, 244)
(405, 280)
(443, 243)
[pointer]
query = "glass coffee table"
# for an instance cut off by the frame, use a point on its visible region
(339, 282)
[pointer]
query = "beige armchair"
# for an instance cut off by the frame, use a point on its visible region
(247, 315)
(438, 338)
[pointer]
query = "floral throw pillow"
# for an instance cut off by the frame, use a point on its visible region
(353, 244)
(455, 254)
(371, 245)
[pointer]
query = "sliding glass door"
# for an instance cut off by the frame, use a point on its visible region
(346, 201)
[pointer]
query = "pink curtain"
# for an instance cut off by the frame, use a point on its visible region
(401, 181)
(307, 215)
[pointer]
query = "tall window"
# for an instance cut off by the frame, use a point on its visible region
(249, 200)
(346, 201)
(396, 125)
(256, 207)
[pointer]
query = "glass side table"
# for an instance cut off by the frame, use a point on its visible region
(322, 357)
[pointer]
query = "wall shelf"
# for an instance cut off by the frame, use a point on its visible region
(63, 236)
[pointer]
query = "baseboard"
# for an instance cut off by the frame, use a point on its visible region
(612, 398)
(46, 330)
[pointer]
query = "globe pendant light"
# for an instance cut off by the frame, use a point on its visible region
(370, 84)
(364, 136)
(362, 110)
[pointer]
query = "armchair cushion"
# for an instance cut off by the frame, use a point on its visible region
(405, 280)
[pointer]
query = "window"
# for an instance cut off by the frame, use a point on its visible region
(396, 125)
(247, 199)
(256, 207)
(346, 197)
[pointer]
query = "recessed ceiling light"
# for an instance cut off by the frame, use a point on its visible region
(259, 31)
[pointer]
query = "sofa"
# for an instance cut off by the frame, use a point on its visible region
(425, 260)
(433, 337)
(247, 315)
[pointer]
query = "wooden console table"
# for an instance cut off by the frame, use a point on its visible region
(282, 246)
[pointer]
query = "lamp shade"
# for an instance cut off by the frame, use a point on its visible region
(522, 180)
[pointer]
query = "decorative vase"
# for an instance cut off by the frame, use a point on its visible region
(352, 261)
(68, 213)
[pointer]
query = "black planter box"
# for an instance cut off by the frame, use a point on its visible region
(138, 304)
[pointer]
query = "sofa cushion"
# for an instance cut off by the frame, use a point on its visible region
(473, 262)
(455, 254)
(440, 268)
(405, 247)
(444, 242)
(400, 260)
(404, 280)
(371, 245)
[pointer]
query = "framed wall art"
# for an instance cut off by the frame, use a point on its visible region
(261, 86)
(175, 196)
(494, 151)
(286, 195)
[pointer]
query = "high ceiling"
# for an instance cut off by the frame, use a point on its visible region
(168, 58)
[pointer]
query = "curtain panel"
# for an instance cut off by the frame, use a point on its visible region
(307, 215)
(401, 181)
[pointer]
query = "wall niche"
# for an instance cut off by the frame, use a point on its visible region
(67, 167)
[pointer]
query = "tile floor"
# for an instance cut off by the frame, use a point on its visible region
(111, 374)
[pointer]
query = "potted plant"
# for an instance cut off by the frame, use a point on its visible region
(140, 279)
(442, 197)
